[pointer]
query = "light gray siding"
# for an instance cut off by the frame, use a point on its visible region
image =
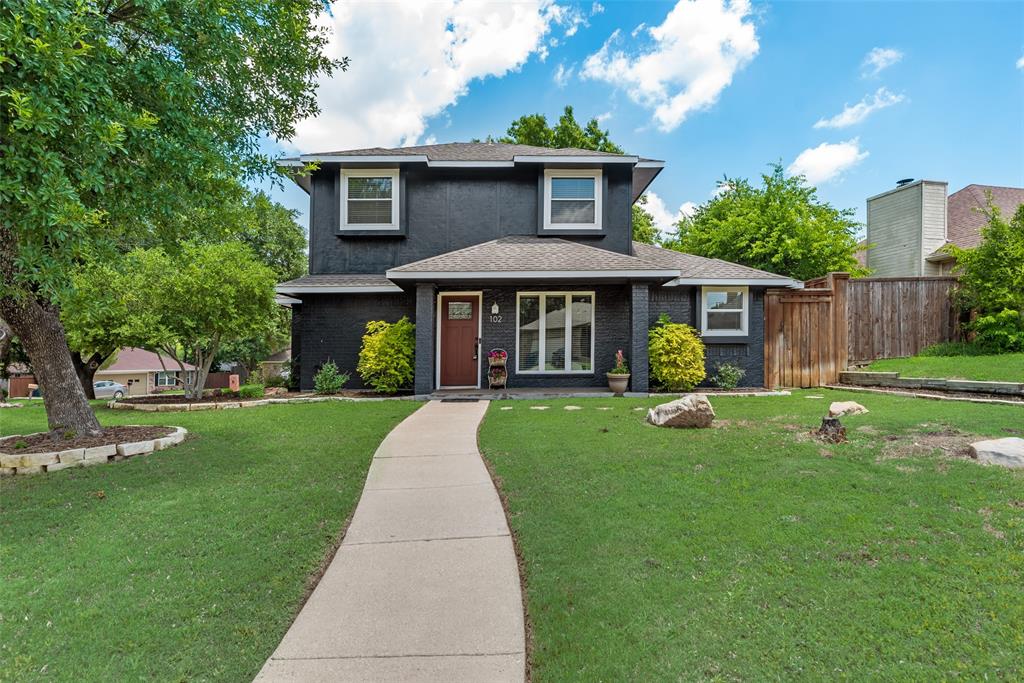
(933, 223)
(894, 228)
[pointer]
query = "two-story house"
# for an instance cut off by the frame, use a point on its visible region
(496, 246)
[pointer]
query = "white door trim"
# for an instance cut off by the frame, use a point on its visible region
(479, 333)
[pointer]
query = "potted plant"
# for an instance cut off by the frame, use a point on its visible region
(618, 376)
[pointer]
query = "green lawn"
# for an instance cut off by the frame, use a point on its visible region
(187, 564)
(750, 552)
(1005, 367)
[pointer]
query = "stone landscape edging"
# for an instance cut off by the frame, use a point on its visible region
(53, 461)
(914, 394)
(227, 405)
(870, 378)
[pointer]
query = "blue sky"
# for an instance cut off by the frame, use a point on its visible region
(897, 90)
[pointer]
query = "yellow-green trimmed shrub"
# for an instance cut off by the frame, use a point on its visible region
(386, 358)
(676, 355)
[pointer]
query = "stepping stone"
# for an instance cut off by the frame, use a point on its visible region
(573, 408)
(603, 408)
(638, 408)
(506, 407)
(539, 407)
(814, 397)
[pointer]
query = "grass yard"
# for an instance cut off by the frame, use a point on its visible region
(187, 564)
(749, 551)
(1005, 367)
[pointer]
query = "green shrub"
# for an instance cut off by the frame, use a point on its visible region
(328, 379)
(275, 381)
(1002, 331)
(727, 376)
(386, 358)
(676, 355)
(955, 349)
(250, 391)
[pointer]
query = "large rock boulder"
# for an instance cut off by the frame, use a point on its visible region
(692, 410)
(840, 408)
(1008, 452)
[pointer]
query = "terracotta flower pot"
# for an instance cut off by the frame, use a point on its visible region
(618, 383)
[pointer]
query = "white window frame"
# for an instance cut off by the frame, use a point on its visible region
(173, 373)
(347, 173)
(568, 333)
(744, 317)
(594, 173)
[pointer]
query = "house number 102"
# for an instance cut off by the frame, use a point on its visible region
(495, 318)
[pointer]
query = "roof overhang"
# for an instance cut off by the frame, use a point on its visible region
(644, 174)
(531, 275)
(749, 282)
(939, 257)
(337, 289)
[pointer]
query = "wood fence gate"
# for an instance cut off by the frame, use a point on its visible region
(897, 317)
(805, 335)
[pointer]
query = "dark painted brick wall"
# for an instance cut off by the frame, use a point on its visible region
(682, 305)
(331, 327)
(446, 209)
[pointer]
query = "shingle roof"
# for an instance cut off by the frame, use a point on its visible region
(528, 253)
(699, 267)
(140, 360)
(471, 151)
(964, 220)
(348, 281)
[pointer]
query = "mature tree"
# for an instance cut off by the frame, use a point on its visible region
(116, 117)
(186, 304)
(781, 227)
(533, 129)
(274, 236)
(992, 281)
(644, 229)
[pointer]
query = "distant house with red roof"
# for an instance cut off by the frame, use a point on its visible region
(144, 372)
(909, 225)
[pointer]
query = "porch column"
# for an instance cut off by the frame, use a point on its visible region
(639, 307)
(425, 335)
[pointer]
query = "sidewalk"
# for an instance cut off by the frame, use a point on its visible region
(425, 585)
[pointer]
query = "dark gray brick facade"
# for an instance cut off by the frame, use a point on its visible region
(425, 338)
(639, 324)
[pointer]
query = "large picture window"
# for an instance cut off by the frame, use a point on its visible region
(555, 332)
(572, 199)
(369, 199)
(724, 310)
(166, 379)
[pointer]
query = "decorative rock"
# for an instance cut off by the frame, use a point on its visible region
(100, 452)
(36, 460)
(135, 448)
(30, 470)
(170, 440)
(63, 465)
(692, 410)
(840, 408)
(71, 457)
(1008, 452)
(7, 471)
(10, 460)
(95, 460)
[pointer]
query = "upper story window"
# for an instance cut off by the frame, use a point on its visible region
(369, 199)
(572, 199)
(724, 310)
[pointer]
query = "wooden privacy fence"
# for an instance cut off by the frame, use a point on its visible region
(897, 317)
(805, 335)
(812, 334)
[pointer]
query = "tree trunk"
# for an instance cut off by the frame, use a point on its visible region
(86, 369)
(39, 329)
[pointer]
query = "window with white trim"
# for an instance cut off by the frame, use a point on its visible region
(555, 332)
(724, 310)
(572, 199)
(167, 379)
(369, 199)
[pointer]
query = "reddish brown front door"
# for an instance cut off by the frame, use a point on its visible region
(460, 323)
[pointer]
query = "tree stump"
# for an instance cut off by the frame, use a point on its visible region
(831, 430)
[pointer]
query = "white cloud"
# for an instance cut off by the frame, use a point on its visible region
(639, 27)
(562, 74)
(410, 61)
(692, 58)
(827, 161)
(1020, 63)
(601, 118)
(852, 114)
(596, 8)
(664, 220)
(880, 58)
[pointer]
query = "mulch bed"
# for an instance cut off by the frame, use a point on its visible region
(46, 442)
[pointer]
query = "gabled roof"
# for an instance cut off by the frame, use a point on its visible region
(965, 218)
(523, 257)
(700, 270)
(338, 283)
(140, 360)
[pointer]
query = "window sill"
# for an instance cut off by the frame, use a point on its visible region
(736, 338)
(572, 232)
(370, 232)
(554, 372)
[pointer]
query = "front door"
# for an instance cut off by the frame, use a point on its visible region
(460, 324)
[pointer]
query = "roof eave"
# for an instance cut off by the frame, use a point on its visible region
(535, 275)
(747, 281)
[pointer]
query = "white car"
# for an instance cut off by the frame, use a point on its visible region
(107, 389)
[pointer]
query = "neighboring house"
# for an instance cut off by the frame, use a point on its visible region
(910, 224)
(526, 249)
(276, 364)
(144, 372)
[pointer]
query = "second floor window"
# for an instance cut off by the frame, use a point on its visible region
(369, 199)
(572, 199)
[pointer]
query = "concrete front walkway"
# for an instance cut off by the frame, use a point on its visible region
(425, 585)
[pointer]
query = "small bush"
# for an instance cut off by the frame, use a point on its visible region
(676, 355)
(727, 376)
(1001, 332)
(250, 391)
(955, 349)
(386, 358)
(21, 443)
(328, 379)
(276, 381)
